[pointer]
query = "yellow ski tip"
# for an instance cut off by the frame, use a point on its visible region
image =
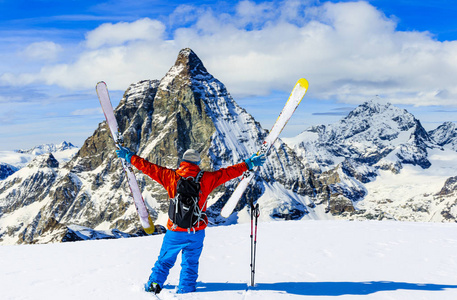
(303, 83)
(151, 228)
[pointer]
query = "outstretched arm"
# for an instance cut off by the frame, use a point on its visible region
(166, 177)
(225, 174)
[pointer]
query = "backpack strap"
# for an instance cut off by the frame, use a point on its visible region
(199, 176)
(199, 211)
(196, 179)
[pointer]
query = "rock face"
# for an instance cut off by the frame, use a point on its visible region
(445, 135)
(450, 187)
(6, 170)
(159, 120)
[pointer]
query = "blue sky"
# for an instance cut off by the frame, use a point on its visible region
(54, 52)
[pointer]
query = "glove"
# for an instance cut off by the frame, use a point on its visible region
(255, 161)
(124, 153)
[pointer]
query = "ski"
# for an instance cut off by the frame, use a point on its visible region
(291, 105)
(143, 213)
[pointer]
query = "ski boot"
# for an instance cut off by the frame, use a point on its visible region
(152, 287)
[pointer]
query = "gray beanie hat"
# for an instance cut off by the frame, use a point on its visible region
(192, 156)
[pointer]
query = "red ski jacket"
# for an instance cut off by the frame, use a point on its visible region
(168, 178)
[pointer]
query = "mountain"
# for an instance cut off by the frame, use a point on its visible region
(6, 170)
(63, 152)
(380, 136)
(187, 108)
(445, 135)
(380, 160)
(373, 137)
(48, 148)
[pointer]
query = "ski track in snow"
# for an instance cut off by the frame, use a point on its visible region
(295, 260)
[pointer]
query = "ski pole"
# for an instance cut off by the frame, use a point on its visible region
(255, 212)
(252, 240)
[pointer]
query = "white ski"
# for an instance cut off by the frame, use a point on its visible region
(291, 105)
(143, 213)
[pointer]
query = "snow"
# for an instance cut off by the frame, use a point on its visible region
(63, 152)
(295, 260)
(395, 194)
(171, 74)
(16, 159)
(370, 129)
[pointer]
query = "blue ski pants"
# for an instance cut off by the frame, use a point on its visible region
(191, 245)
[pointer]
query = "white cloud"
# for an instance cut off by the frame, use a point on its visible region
(184, 14)
(348, 51)
(117, 34)
(250, 12)
(45, 50)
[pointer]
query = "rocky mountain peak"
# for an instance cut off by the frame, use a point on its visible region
(187, 67)
(445, 134)
(449, 125)
(44, 161)
(373, 121)
(46, 148)
(188, 61)
(374, 106)
(375, 110)
(374, 136)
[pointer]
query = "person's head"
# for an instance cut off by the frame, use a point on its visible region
(191, 156)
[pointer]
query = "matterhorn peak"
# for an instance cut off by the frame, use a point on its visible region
(187, 66)
(189, 62)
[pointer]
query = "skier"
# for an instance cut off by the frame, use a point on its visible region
(177, 239)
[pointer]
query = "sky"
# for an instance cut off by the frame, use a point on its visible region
(52, 53)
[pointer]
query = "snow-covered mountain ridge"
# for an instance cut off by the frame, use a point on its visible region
(373, 134)
(387, 164)
(63, 152)
(445, 135)
(47, 148)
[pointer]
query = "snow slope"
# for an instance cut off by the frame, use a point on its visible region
(296, 260)
(413, 194)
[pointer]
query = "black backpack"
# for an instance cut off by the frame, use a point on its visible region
(184, 210)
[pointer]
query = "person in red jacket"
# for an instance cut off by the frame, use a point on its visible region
(177, 239)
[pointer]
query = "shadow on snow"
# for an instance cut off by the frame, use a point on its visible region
(324, 288)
